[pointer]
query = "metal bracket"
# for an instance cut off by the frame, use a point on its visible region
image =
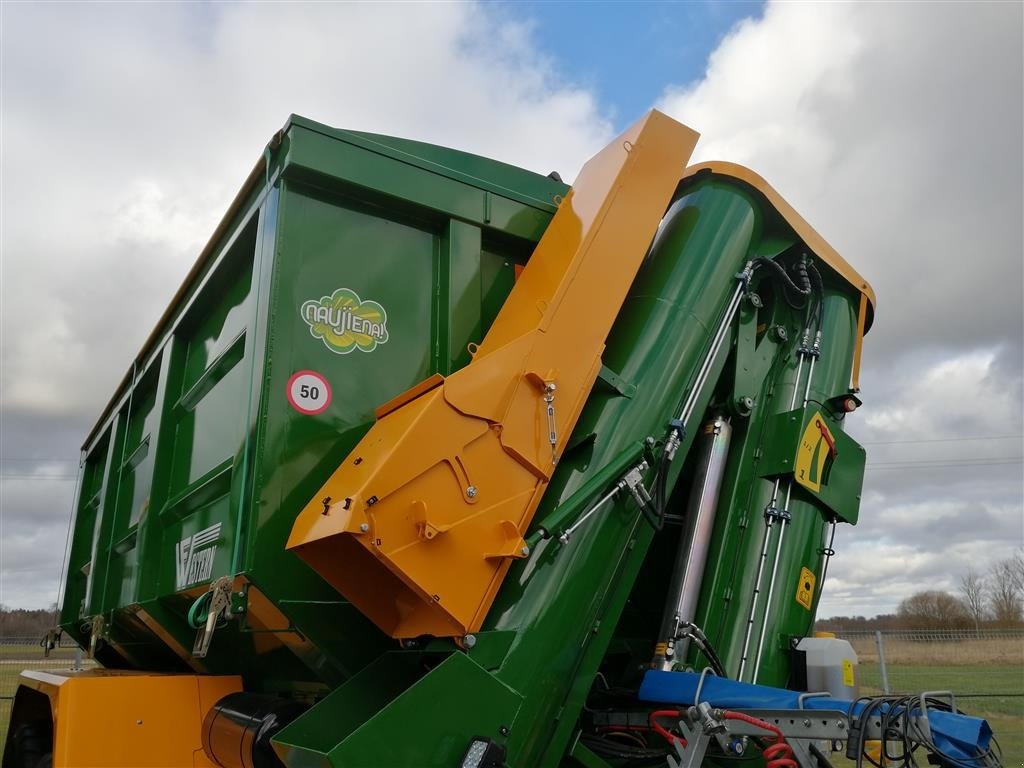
(799, 727)
(805, 696)
(634, 482)
(700, 684)
(220, 603)
(549, 410)
(702, 723)
(50, 641)
(95, 634)
(921, 720)
(633, 475)
(615, 382)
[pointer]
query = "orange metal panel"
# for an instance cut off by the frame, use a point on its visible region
(121, 719)
(427, 512)
(862, 317)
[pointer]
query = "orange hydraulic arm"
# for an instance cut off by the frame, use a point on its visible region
(419, 524)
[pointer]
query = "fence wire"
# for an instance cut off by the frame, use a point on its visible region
(23, 653)
(984, 670)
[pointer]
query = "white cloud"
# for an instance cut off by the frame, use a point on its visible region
(896, 129)
(127, 130)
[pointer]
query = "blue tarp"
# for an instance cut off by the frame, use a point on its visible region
(961, 737)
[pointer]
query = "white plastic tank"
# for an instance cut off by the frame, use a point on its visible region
(831, 666)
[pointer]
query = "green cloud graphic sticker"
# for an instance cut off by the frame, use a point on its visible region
(346, 322)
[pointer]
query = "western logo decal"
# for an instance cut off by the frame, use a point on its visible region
(193, 561)
(345, 322)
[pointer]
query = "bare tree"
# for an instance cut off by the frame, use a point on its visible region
(1004, 591)
(1017, 562)
(934, 609)
(972, 588)
(19, 622)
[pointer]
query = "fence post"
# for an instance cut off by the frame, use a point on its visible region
(881, 662)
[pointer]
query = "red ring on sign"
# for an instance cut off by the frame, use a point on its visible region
(301, 408)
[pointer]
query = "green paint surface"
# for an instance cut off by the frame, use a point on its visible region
(369, 264)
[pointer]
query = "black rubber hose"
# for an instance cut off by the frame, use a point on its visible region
(819, 288)
(788, 286)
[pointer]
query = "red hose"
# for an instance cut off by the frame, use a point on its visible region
(779, 754)
(671, 738)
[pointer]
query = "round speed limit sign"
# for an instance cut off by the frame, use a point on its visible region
(309, 393)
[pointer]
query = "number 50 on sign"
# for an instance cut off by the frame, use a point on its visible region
(309, 393)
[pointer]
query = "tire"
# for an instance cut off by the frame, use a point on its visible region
(31, 745)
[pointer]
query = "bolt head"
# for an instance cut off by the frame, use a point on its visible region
(525, 551)
(469, 641)
(364, 527)
(471, 491)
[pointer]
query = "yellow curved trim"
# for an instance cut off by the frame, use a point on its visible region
(804, 231)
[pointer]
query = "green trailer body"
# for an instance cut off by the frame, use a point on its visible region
(242, 403)
(202, 436)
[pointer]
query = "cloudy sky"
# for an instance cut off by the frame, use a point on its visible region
(896, 129)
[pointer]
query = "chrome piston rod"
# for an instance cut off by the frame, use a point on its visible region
(694, 541)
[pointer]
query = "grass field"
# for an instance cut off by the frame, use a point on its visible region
(986, 675)
(15, 658)
(33, 652)
(918, 653)
(1001, 699)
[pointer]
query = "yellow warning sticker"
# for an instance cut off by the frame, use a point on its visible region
(815, 454)
(805, 588)
(848, 672)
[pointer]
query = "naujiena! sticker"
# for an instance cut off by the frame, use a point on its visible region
(345, 322)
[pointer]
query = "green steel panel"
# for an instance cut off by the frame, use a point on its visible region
(380, 716)
(202, 461)
(728, 588)
(840, 490)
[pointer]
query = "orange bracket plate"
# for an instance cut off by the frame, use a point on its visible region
(124, 719)
(431, 507)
